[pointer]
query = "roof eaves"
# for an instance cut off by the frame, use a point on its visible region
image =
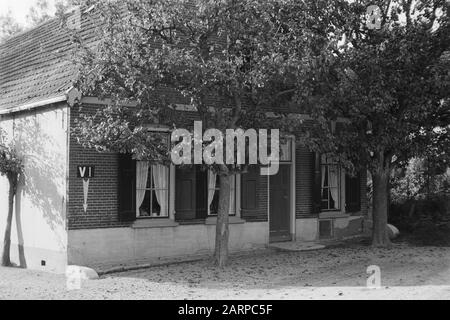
(35, 104)
(72, 96)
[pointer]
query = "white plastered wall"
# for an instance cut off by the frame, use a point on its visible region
(39, 236)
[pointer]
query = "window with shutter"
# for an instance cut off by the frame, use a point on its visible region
(191, 193)
(143, 188)
(326, 184)
(197, 194)
(330, 184)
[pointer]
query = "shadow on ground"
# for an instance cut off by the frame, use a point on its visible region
(342, 265)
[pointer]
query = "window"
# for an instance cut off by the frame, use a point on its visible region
(144, 188)
(330, 184)
(213, 194)
(197, 193)
(152, 190)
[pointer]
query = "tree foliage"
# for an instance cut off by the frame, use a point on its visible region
(233, 60)
(390, 85)
(40, 12)
(224, 58)
(419, 180)
(10, 161)
(8, 26)
(11, 166)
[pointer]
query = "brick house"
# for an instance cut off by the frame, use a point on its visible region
(77, 206)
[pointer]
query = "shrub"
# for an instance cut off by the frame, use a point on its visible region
(420, 195)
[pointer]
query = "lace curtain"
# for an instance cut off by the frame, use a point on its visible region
(141, 182)
(161, 180)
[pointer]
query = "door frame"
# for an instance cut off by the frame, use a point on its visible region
(292, 204)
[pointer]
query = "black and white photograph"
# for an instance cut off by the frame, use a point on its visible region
(240, 152)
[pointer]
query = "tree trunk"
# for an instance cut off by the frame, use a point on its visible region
(6, 259)
(381, 189)
(222, 228)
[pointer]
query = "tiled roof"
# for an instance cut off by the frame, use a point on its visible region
(37, 64)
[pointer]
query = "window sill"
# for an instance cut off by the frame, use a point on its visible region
(233, 220)
(154, 223)
(191, 222)
(333, 214)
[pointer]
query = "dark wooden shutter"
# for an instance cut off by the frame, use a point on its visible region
(201, 189)
(249, 192)
(316, 183)
(185, 195)
(191, 194)
(353, 193)
(127, 188)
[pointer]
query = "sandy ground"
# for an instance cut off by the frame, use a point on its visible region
(333, 273)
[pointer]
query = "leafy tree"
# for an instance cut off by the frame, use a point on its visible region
(8, 26)
(390, 84)
(39, 13)
(10, 166)
(226, 58)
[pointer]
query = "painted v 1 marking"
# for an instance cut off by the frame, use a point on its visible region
(86, 193)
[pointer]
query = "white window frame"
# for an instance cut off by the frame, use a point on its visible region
(169, 190)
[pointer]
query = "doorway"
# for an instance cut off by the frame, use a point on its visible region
(280, 205)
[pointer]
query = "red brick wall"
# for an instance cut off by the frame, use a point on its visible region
(102, 209)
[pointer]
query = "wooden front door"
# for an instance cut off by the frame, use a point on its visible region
(280, 204)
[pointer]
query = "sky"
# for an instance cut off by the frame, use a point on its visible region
(18, 8)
